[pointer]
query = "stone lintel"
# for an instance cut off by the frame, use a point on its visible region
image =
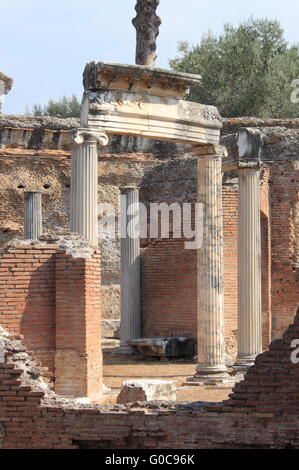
(148, 116)
(137, 78)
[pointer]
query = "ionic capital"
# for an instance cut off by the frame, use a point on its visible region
(92, 136)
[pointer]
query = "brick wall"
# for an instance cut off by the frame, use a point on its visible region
(27, 298)
(284, 196)
(262, 413)
(78, 332)
(169, 286)
(53, 300)
(272, 384)
(266, 256)
(230, 259)
(169, 282)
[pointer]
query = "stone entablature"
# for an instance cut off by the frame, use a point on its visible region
(280, 139)
(138, 79)
(117, 100)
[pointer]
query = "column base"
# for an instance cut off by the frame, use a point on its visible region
(244, 363)
(211, 375)
(124, 349)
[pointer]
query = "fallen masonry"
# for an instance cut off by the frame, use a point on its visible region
(147, 390)
(164, 347)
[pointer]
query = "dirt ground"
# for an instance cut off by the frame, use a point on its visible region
(118, 368)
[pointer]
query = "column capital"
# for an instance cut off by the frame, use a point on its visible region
(128, 188)
(243, 167)
(210, 151)
(85, 135)
(249, 143)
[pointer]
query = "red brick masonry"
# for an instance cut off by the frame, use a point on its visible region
(263, 412)
(53, 300)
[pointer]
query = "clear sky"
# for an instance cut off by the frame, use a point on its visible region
(45, 44)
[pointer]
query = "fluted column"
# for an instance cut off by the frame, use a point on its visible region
(249, 268)
(33, 215)
(84, 183)
(130, 327)
(211, 347)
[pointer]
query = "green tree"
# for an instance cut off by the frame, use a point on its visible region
(246, 71)
(64, 107)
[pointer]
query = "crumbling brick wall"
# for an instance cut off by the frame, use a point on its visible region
(284, 196)
(272, 384)
(262, 413)
(78, 356)
(52, 296)
(27, 297)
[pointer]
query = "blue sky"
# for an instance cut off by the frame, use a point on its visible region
(46, 43)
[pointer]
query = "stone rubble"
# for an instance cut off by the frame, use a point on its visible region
(72, 243)
(146, 390)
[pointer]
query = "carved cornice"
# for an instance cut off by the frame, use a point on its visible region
(99, 76)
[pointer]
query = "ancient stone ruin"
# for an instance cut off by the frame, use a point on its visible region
(5, 87)
(69, 286)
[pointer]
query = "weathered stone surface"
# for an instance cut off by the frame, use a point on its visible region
(143, 101)
(130, 326)
(33, 225)
(164, 347)
(275, 141)
(232, 125)
(210, 296)
(137, 78)
(6, 84)
(249, 260)
(84, 183)
(146, 390)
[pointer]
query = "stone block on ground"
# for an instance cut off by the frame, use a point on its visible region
(164, 347)
(147, 390)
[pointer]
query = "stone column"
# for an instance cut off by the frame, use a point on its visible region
(33, 215)
(130, 327)
(249, 268)
(84, 183)
(211, 368)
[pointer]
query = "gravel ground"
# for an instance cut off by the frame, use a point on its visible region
(119, 368)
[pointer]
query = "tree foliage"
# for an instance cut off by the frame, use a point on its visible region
(246, 71)
(64, 107)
